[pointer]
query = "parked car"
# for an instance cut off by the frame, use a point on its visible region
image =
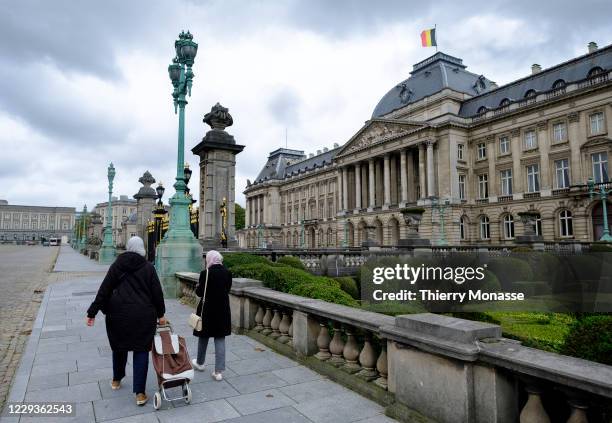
(45, 243)
(31, 242)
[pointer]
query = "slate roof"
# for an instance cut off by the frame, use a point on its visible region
(284, 162)
(571, 71)
(430, 76)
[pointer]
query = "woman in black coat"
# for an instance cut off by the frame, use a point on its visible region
(131, 297)
(216, 317)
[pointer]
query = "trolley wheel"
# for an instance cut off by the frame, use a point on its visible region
(187, 393)
(157, 400)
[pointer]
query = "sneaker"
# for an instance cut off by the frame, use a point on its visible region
(141, 399)
(198, 367)
(115, 384)
(217, 376)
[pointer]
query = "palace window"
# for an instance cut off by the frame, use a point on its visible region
(459, 151)
(538, 226)
(530, 140)
(504, 102)
(504, 145)
(597, 123)
(462, 228)
(508, 226)
(482, 151)
(483, 186)
(462, 187)
(506, 181)
(533, 178)
(600, 167)
(594, 72)
(565, 223)
(559, 83)
(485, 228)
(530, 94)
(559, 132)
(562, 174)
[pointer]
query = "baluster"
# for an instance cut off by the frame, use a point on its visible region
(323, 341)
(534, 412)
(336, 347)
(351, 353)
(275, 324)
(367, 359)
(284, 328)
(290, 331)
(578, 414)
(266, 322)
(259, 319)
(381, 366)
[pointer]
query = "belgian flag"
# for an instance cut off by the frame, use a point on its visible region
(428, 38)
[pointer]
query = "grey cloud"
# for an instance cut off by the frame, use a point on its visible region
(284, 106)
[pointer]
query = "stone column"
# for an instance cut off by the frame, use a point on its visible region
(517, 171)
(345, 188)
(305, 333)
(575, 141)
(544, 148)
(339, 191)
(490, 143)
(430, 169)
(371, 185)
(387, 182)
(404, 177)
(422, 188)
(410, 175)
(357, 188)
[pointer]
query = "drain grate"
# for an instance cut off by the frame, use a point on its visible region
(80, 294)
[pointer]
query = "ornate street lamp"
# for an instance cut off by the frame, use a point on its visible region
(441, 209)
(107, 251)
(179, 250)
(603, 196)
(83, 241)
(160, 193)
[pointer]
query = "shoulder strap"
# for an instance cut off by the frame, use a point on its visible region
(204, 296)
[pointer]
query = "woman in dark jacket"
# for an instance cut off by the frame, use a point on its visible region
(216, 318)
(132, 299)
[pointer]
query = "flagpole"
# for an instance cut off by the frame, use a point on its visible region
(436, 37)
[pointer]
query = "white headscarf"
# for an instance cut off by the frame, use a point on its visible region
(213, 257)
(136, 245)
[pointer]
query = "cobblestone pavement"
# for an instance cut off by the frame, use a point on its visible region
(66, 361)
(23, 279)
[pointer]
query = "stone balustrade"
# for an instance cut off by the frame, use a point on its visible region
(423, 367)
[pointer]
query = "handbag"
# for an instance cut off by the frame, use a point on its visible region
(195, 320)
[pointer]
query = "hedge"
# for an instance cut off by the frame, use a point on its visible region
(230, 260)
(590, 338)
(321, 291)
(349, 285)
(291, 261)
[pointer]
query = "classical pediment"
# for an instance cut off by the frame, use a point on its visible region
(377, 131)
(595, 142)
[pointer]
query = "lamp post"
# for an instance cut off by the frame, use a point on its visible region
(302, 234)
(603, 196)
(83, 241)
(107, 251)
(441, 209)
(179, 250)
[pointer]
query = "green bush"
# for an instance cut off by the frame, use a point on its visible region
(291, 261)
(590, 338)
(250, 270)
(230, 260)
(321, 291)
(601, 247)
(522, 249)
(509, 270)
(349, 285)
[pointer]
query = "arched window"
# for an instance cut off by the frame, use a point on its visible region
(559, 83)
(508, 226)
(538, 225)
(482, 110)
(594, 72)
(462, 228)
(504, 102)
(485, 228)
(566, 228)
(530, 94)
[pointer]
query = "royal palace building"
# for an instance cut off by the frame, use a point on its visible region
(472, 154)
(35, 223)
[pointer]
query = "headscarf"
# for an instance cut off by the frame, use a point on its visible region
(136, 245)
(213, 257)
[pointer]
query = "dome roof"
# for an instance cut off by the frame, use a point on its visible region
(429, 77)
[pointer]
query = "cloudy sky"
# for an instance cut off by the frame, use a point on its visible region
(83, 83)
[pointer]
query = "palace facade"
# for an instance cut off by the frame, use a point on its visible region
(471, 154)
(33, 223)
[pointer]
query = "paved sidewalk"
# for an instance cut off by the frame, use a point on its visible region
(67, 361)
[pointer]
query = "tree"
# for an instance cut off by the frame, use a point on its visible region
(239, 216)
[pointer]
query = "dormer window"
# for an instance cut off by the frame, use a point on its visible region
(559, 83)
(530, 94)
(595, 72)
(482, 110)
(504, 102)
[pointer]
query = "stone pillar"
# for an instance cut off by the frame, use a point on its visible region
(217, 152)
(371, 185)
(404, 177)
(575, 141)
(490, 143)
(517, 171)
(387, 182)
(339, 191)
(357, 187)
(544, 148)
(345, 205)
(410, 175)
(145, 203)
(422, 188)
(430, 169)
(305, 333)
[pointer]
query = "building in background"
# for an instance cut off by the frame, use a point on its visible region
(33, 223)
(471, 154)
(122, 208)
